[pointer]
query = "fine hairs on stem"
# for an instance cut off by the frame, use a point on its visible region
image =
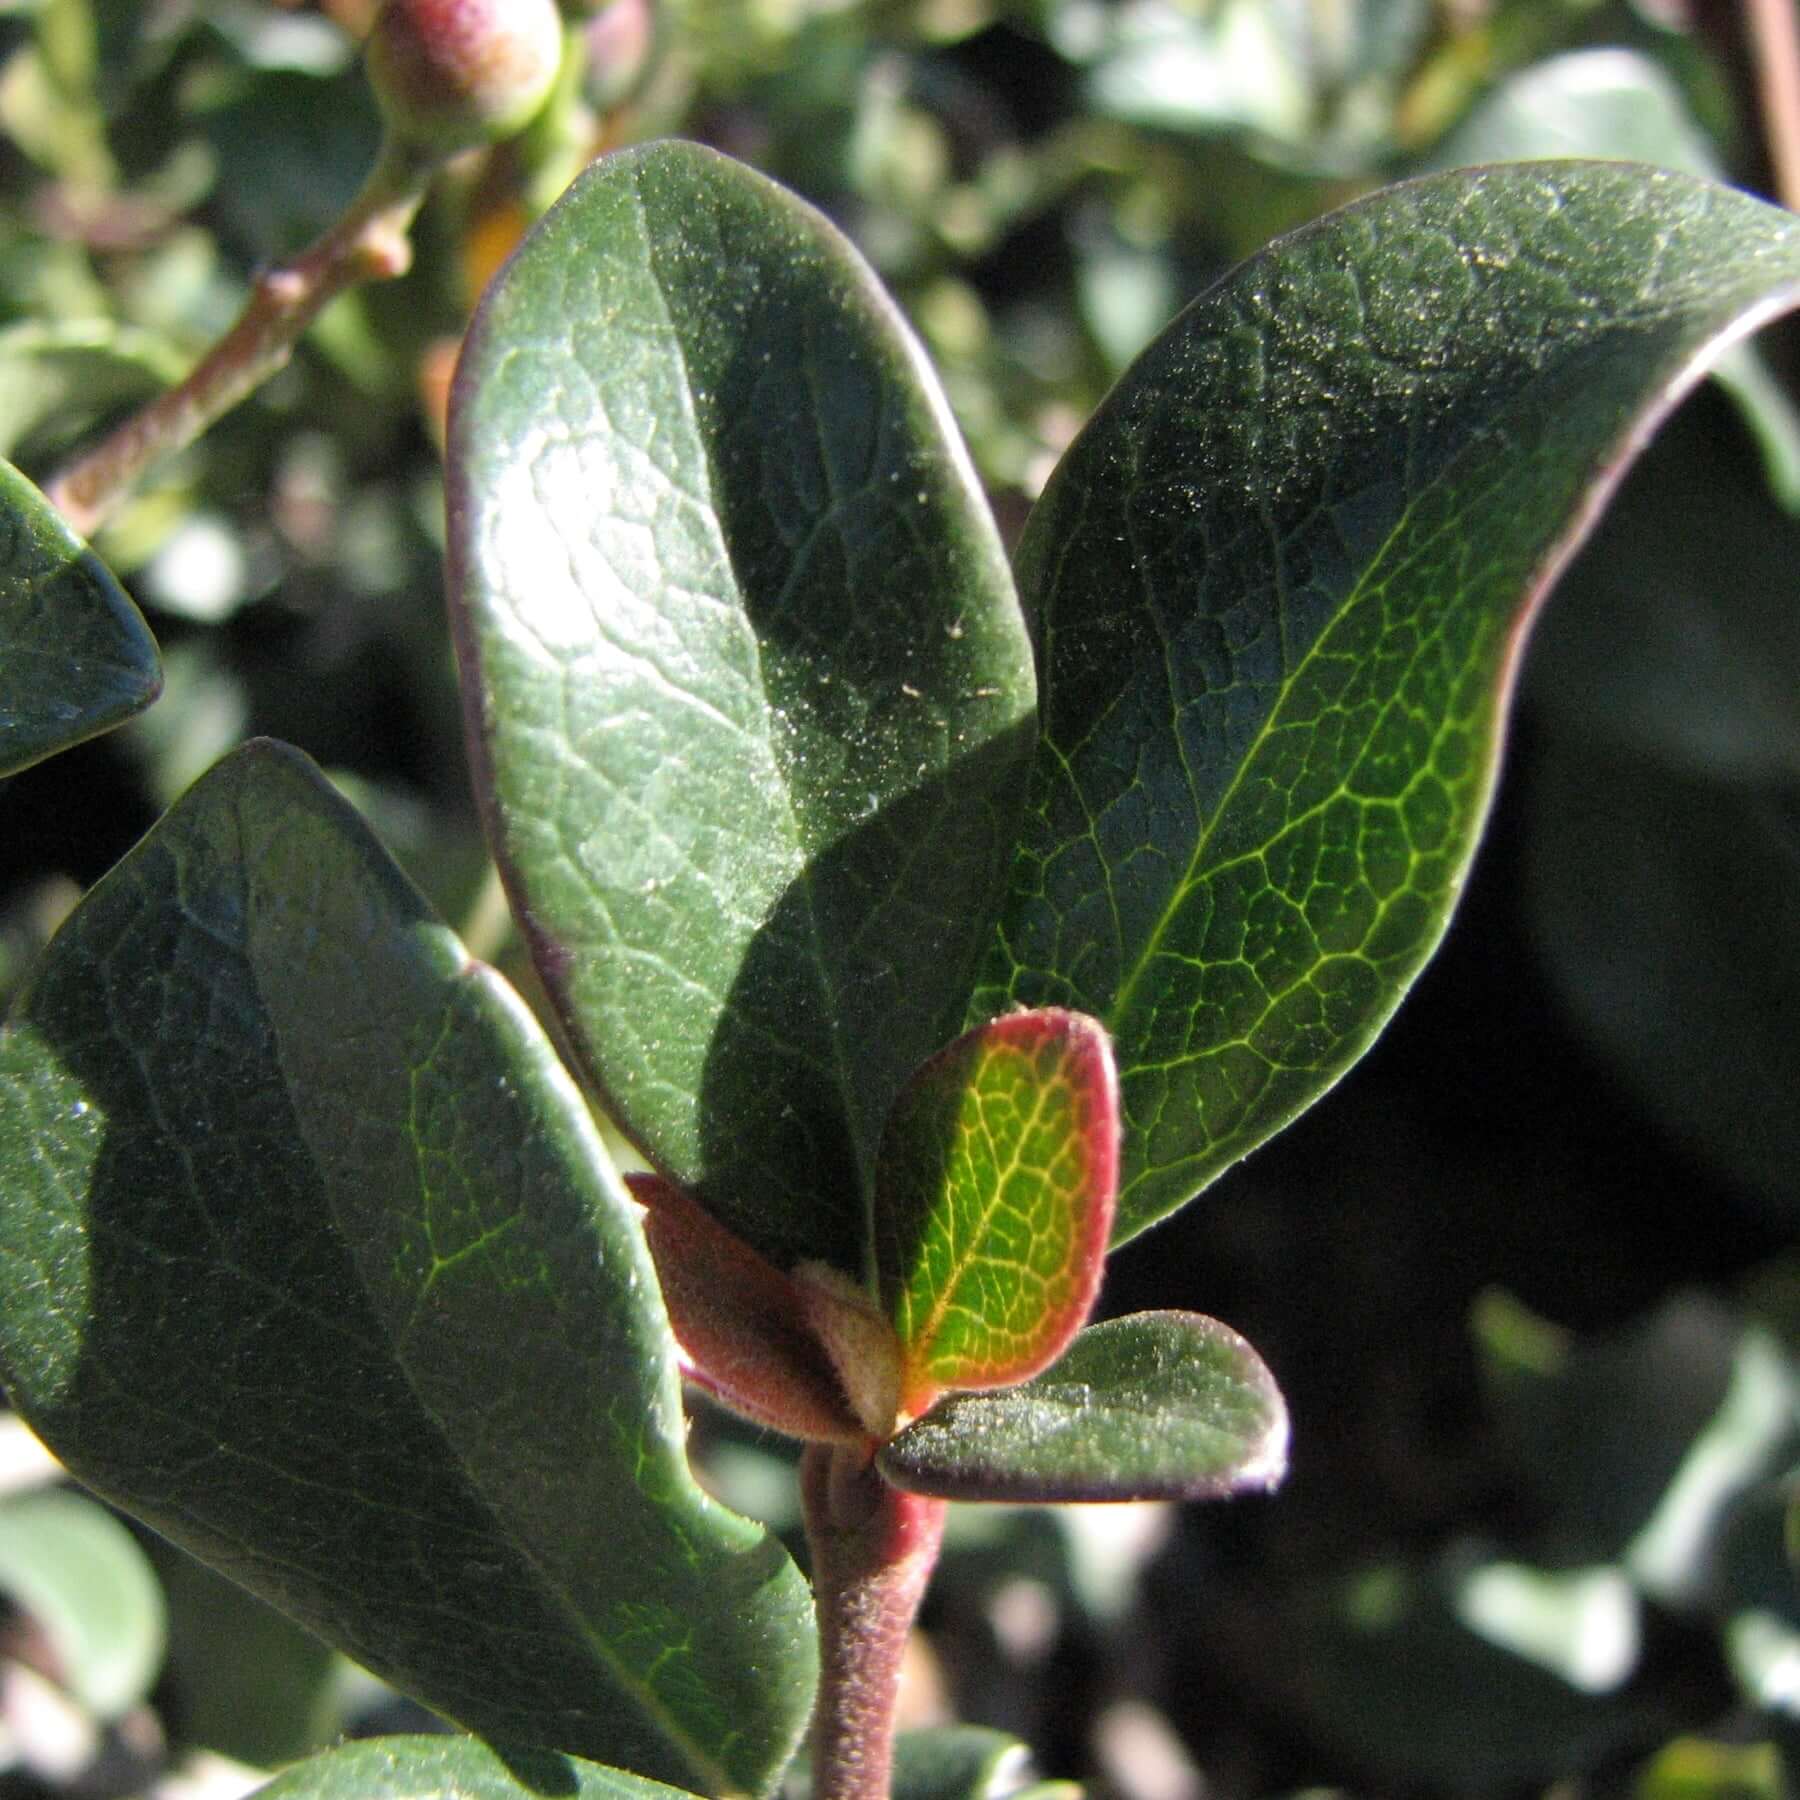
(873, 1550)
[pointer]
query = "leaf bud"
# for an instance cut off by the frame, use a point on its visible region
(453, 74)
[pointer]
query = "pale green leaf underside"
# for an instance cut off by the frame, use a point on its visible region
(748, 684)
(1281, 580)
(313, 1261)
(1158, 1405)
(80, 1577)
(960, 1762)
(75, 656)
(455, 1768)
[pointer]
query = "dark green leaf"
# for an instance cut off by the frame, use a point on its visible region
(1383, 1668)
(1621, 103)
(1706, 682)
(1633, 1441)
(748, 680)
(1281, 582)
(432, 1768)
(1599, 1428)
(1160, 1405)
(80, 1576)
(315, 1263)
(1662, 815)
(994, 1200)
(1664, 912)
(75, 657)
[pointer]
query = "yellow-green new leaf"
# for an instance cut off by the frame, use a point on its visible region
(994, 1201)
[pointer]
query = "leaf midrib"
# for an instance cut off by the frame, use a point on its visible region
(947, 1294)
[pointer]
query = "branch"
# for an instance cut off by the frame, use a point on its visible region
(369, 243)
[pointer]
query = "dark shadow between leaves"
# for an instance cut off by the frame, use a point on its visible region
(546, 1772)
(854, 978)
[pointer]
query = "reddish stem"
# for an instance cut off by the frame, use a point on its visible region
(369, 242)
(873, 1550)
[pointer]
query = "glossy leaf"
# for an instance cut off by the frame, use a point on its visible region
(313, 1262)
(1620, 103)
(431, 1768)
(1282, 580)
(1159, 1405)
(79, 1575)
(747, 679)
(76, 658)
(994, 1199)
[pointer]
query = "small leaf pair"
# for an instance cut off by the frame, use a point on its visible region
(994, 1199)
(992, 1204)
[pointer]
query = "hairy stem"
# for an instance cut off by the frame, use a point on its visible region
(873, 1550)
(368, 243)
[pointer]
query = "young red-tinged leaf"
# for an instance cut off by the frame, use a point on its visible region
(748, 1333)
(1157, 1406)
(994, 1199)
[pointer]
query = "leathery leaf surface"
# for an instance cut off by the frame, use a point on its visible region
(994, 1200)
(454, 1768)
(748, 685)
(1282, 580)
(314, 1262)
(1153, 1406)
(76, 658)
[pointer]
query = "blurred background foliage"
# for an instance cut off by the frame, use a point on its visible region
(1528, 1276)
